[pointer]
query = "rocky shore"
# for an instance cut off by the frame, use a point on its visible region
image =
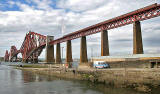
(142, 80)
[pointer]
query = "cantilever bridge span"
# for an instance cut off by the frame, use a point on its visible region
(34, 43)
(31, 48)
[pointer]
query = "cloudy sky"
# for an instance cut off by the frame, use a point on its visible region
(17, 17)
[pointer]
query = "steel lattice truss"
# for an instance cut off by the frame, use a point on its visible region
(31, 48)
(13, 52)
(138, 15)
(6, 57)
(34, 43)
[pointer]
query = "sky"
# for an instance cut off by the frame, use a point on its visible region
(46, 17)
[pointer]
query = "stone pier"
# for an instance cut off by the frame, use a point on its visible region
(83, 50)
(137, 38)
(49, 50)
(69, 53)
(58, 54)
(104, 43)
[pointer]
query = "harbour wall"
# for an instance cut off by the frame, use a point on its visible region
(118, 77)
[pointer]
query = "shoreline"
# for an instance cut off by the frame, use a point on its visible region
(142, 80)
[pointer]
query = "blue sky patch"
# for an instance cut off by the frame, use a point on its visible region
(6, 6)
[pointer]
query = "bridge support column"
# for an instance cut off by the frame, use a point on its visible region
(58, 54)
(137, 38)
(83, 50)
(49, 50)
(69, 54)
(104, 43)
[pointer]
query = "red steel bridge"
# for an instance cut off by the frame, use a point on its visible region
(34, 43)
(31, 47)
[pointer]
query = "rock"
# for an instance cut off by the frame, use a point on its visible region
(143, 88)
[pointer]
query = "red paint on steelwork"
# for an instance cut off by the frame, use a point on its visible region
(32, 45)
(31, 49)
(6, 57)
(140, 14)
(13, 52)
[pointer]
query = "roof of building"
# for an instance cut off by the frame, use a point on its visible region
(124, 57)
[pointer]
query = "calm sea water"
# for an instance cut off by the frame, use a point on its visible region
(13, 81)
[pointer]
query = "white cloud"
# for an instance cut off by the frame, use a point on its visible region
(24, 7)
(81, 5)
(41, 4)
(11, 3)
(78, 14)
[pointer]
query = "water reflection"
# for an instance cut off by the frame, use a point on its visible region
(15, 81)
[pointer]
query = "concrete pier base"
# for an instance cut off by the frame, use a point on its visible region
(83, 50)
(49, 50)
(104, 43)
(58, 54)
(137, 38)
(69, 59)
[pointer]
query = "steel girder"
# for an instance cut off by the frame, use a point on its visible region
(137, 15)
(13, 52)
(6, 57)
(32, 45)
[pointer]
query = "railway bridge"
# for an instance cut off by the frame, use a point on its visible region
(34, 43)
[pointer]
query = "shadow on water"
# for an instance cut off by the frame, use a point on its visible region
(15, 81)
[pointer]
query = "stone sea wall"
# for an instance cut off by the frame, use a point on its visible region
(141, 79)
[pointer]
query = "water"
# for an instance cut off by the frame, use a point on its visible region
(13, 81)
